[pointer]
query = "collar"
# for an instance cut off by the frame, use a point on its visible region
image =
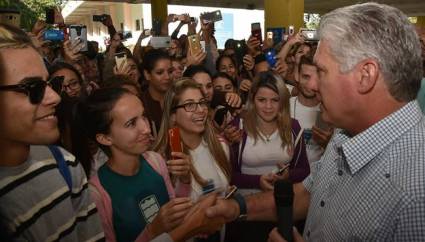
(365, 146)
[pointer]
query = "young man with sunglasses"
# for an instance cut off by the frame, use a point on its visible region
(38, 200)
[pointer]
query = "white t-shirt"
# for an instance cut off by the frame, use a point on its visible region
(307, 117)
(207, 168)
(262, 157)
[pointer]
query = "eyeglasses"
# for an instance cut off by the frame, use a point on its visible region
(71, 86)
(191, 106)
(35, 87)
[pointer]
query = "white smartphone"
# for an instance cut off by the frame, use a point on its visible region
(79, 33)
(120, 58)
(160, 42)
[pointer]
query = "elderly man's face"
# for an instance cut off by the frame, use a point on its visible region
(21, 121)
(334, 89)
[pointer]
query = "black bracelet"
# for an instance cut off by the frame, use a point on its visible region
(242, 206)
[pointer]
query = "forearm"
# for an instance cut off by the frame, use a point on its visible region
(262, 207)
(176, 31)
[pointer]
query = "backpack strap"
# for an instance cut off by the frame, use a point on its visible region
(63, 167)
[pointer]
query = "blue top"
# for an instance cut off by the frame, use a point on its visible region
(371, 187)
(135, 199)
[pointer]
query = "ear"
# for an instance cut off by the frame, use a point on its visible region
(104, 139)
(369, 73)
(147, 75)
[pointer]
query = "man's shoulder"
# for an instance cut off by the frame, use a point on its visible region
(406, 160)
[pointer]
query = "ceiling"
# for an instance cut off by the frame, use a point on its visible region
(410, 7)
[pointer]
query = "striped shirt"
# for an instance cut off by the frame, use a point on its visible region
(37, 205)
(371, 187)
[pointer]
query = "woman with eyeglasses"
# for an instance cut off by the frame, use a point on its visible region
(132, 190)
(271, 148)
(186, 107)
(72, 83)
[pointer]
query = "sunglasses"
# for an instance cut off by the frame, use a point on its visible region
(35, 87)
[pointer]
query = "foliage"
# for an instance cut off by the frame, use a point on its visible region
(31, 10)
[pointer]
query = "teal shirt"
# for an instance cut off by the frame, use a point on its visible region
(135, 199)
(421, 96)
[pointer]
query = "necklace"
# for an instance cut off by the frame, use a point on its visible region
(267, 136)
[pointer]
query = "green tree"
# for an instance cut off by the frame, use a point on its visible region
(31, 10)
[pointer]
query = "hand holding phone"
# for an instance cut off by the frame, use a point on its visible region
(256, 31)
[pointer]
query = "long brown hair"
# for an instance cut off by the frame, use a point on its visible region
(172, 98)
(283, 119)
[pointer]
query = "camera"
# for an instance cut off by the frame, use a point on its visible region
(100, 18)
(54, 35)
(310, 35)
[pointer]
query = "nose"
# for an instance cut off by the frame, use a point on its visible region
(51, 98)
(144, 126)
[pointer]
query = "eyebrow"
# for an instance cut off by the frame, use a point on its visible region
(30, 78)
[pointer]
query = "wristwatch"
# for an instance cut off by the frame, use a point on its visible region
(242, 206)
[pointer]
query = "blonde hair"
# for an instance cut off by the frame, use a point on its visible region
(12, 37)
(172, 98)
(283, 119)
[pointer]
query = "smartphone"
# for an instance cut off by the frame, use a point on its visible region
(230, 191)
(214, 16)
(270, 35)
(160, 42)
(79, 33)
(194, 44)
(256, 31)
(174, 140)
(291, 30)
(271, 57)
(120, 58)
(280, 171)
(220, 115)
(310, 35)
(50, 16)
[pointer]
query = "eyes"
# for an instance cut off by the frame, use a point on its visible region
(132, 123)
(264, 100)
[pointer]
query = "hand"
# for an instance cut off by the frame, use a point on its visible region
(321, 136)
(37, 40)
(172, 18)
(170, 216)
(233, 100)
(124, 69)
(72, 51)
(275, 236)
(281, 68)
(196, 222)
(245, 85)
(232, 134)
(268, 43)
(180, 166)
(91, 86)
(195, 59)
(39, 25)
(227, 209)
(253, 46)
(107, 21)
(248, 62)
(267, 182)
(298, 38)
(185, 18)
(58, 17)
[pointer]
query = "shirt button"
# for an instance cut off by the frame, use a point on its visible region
(322, 203)
(340, 172)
